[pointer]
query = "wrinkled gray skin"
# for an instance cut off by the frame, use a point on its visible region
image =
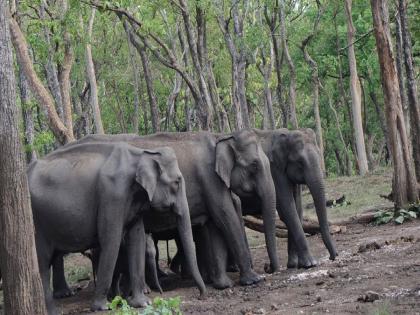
(211, 167)
(295, 160)
(89, 195)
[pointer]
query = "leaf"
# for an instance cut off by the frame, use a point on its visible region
(412, 214)
(399, 219)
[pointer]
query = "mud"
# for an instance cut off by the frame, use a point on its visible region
(377, 272)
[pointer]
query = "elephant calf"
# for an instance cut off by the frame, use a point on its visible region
(91, 195)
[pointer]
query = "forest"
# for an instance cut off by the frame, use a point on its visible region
(348, 70)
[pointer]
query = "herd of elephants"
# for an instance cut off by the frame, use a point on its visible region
(117, 195)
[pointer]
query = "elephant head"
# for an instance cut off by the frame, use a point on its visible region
(244, 168)
(159, 175)
(296, 154)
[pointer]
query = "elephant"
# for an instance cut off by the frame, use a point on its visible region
(89, 195)
(213, 167)
(294, 160)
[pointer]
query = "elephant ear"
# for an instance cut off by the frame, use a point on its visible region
(279, 148)
(148, 171)
(225, 159)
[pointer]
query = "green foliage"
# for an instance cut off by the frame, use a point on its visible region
(399, 217)
(119, 306)
(160, 306)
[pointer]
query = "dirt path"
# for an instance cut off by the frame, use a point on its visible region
(384, 259)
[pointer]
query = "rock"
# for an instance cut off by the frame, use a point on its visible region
(318, 299)
(274, 307)
(259, 311)
(320, 282)
(369, 246)
(369, 296)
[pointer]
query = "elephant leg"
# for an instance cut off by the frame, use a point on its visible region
(226, 219)
(160, 272)
(286, 207)
(218, 253)
(60, 286)
(109, 241)
(45, 256)
(231, 266)
(136, 245)
(200, 238)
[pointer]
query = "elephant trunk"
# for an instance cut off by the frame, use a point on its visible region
(315, 182)
(186, 238)
(267, 194)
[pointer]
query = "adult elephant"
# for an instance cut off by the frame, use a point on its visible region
(295, 160)
(89, 195)
(213, 166)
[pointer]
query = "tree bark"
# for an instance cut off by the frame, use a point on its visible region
(136, 89)
(90, 72)
(265, 69)
(291, 66)
(60, 131)
(412, 98)
(355, 95)
(22, 287)
(404, 179)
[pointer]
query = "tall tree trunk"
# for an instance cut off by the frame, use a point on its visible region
(22, 287)
(28, 117)
(134, 66)
(205, 111)
(234, 42)
(90, 71)
(355, 95)
(265, 69)
(60, 131)
(404, 179)
(413, 101)
(290, 64)
(399, 60)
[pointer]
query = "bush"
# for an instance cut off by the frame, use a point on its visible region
(160, 306)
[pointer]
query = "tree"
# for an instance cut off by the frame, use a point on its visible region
(23, 293)
(90, 72)
(413, 102)
(404, 180)
(60, 130)
(355, 94)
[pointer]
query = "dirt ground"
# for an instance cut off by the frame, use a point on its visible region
(380, 263)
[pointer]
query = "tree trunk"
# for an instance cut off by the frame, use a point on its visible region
(413, 101)
(265, 69)
(60, 131)
(136, 87)
(238, 60)
(90, 71)
(22, 287)
(28, 119)
(404, 179)
(292, 71)
(355, 95)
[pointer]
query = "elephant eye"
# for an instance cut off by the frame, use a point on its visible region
(176, 184)
(254, 166)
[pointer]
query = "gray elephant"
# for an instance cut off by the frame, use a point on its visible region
(212, 167)
(89, 195)
(295, 160)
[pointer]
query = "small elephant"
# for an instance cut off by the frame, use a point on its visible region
(86, 195)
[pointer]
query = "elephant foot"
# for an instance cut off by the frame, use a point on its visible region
(232, 268)
(249, 278)
(292, 262)
(222, 282)
(268, 268)
(307, 262)
(63, 293)
(140, 300)
(146, 289)
(99, 304)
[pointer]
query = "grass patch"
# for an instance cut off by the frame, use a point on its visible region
(361, 191)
